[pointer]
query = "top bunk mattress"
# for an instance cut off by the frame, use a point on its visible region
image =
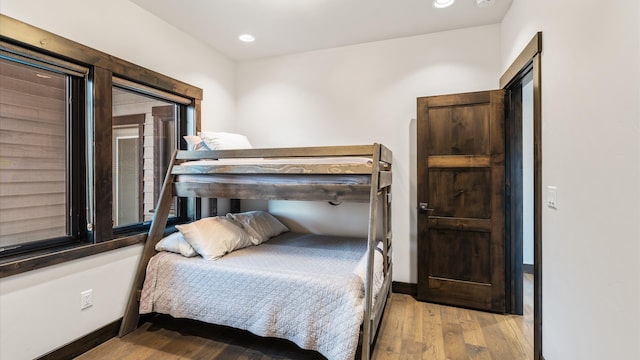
(316, 170)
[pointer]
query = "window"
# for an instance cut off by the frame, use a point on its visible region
(144, 138)
(85, 141)
(40, 194)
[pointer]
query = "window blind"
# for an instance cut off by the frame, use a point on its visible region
(33, 153)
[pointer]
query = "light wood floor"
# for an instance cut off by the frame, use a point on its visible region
(410, 330)
(417, 330)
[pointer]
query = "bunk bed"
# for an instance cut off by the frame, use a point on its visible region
(359, 173)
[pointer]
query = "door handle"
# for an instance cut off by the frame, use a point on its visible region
(424, 208)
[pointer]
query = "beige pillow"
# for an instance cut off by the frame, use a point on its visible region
(177, 244)
(214, 237)
(260, 225)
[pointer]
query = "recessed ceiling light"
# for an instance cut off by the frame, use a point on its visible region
(246, 38)
(442, 3)
(484, 3)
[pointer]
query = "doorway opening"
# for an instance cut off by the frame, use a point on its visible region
(519, 196)
(523, 185)
(527, 190)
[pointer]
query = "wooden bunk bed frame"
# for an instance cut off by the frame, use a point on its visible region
(378, 189)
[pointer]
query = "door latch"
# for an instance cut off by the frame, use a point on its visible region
(424, 208)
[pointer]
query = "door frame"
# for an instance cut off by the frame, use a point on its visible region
(529, 61)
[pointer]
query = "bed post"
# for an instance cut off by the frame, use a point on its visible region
(371, 245)
(159, 222)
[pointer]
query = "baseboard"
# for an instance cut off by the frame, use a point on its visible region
(527, 268)
(404, 288)
(85, 343)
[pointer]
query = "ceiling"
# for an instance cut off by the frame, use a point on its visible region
(291, 26)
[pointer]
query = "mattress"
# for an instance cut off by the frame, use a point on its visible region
(322, 170)
(306, 288)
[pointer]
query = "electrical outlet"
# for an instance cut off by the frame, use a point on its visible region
(86, 299)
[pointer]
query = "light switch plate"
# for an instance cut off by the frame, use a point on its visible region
(552, 197)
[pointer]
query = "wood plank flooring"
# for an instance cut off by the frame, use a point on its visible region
(410, 330)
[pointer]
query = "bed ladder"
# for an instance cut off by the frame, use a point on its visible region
(159, 222)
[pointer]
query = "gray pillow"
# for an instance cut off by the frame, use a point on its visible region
(214, 237)
(260, 225)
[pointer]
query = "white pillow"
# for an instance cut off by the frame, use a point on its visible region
(177, 244)
(260, 225)
(214, 237)
(195, 142)
(225, 141)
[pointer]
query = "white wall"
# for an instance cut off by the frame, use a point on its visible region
(40, 310)
(358, 95)
(591, 152)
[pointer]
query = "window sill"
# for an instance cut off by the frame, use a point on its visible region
(10, 266)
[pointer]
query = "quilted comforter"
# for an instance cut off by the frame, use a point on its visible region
(306, 288)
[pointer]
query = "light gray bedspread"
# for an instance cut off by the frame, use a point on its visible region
(302, 287)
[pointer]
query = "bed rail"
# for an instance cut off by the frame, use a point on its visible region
(291, 152)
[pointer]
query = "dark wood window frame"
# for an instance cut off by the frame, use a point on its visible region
(103, 67)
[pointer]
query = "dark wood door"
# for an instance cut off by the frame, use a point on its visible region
(461, 220)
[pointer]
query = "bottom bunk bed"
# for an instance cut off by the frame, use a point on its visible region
(305, 288)
(324, 293)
